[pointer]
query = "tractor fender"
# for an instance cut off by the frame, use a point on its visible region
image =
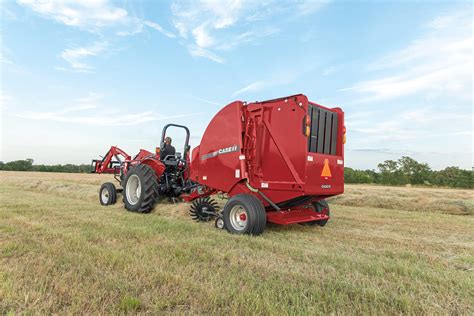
(155, 164)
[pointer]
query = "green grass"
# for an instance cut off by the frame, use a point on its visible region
(130, 304)
(64, 253)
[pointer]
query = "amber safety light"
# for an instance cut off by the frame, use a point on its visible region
(308, 128)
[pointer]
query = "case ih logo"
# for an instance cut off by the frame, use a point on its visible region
(220, 152)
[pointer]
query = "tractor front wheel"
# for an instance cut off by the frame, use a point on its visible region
(140, 189)
(244, 214)
(107, 194)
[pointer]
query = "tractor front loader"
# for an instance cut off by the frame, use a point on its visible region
(275, 161)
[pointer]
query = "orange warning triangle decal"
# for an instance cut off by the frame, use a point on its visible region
(326, 171)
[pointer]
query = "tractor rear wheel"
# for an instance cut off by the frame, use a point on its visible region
(107, 194)
(140, 189)
(244, 214)
(319, 207)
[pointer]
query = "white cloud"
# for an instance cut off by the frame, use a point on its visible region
(428, 49)
(159, 28)
(282, 77)
(197, 21)
(206, 101)
(308, 7)
(4, 51)
(88, 14)
(6, 12)
(76, 56)
(253, 87)
(379, 132)
(201, 52)
(89, 111)
(421, 129)
(93, 15)
(247, 37)
(452, 79)
(439, 63)
(329, 71)
(202, 37)
(4, 59)
(5, 99)
(94, 119)
(445, 21)
(136, 27)
(223, 25)
(100, 17)
(92, 98)
(427, 115)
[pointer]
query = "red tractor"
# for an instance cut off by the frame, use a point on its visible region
(275, 161)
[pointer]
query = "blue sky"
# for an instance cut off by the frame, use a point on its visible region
(77, 77)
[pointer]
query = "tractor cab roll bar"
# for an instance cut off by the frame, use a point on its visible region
(186, 142)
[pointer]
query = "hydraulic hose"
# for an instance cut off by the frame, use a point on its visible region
(262, 195)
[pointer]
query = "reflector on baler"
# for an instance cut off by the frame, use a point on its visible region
(326, 173)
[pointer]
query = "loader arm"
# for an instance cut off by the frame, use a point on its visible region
(107, 164)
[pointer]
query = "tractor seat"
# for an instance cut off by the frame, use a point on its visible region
(172, 160)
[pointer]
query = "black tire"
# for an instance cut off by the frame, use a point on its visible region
(319, 207)
(107, 194)
(148, 182)
(219, 223)
(255, 215)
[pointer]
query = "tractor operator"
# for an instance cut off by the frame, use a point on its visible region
(168, 149)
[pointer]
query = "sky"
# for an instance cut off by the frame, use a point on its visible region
(80, 76)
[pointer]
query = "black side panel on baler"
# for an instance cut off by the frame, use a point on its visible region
(323, 137)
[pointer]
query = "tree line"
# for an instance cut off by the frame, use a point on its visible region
(403, 171)
(407, 170)
(27, 165)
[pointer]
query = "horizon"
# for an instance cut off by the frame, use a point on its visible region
(375, 168)
(77, 78)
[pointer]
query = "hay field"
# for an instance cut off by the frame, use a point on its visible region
(385, 250)
(438, 200)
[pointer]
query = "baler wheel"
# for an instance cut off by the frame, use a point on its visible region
(140, 189)
(203, 209)
(319, 207)
(244, 214)
(107, 194)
